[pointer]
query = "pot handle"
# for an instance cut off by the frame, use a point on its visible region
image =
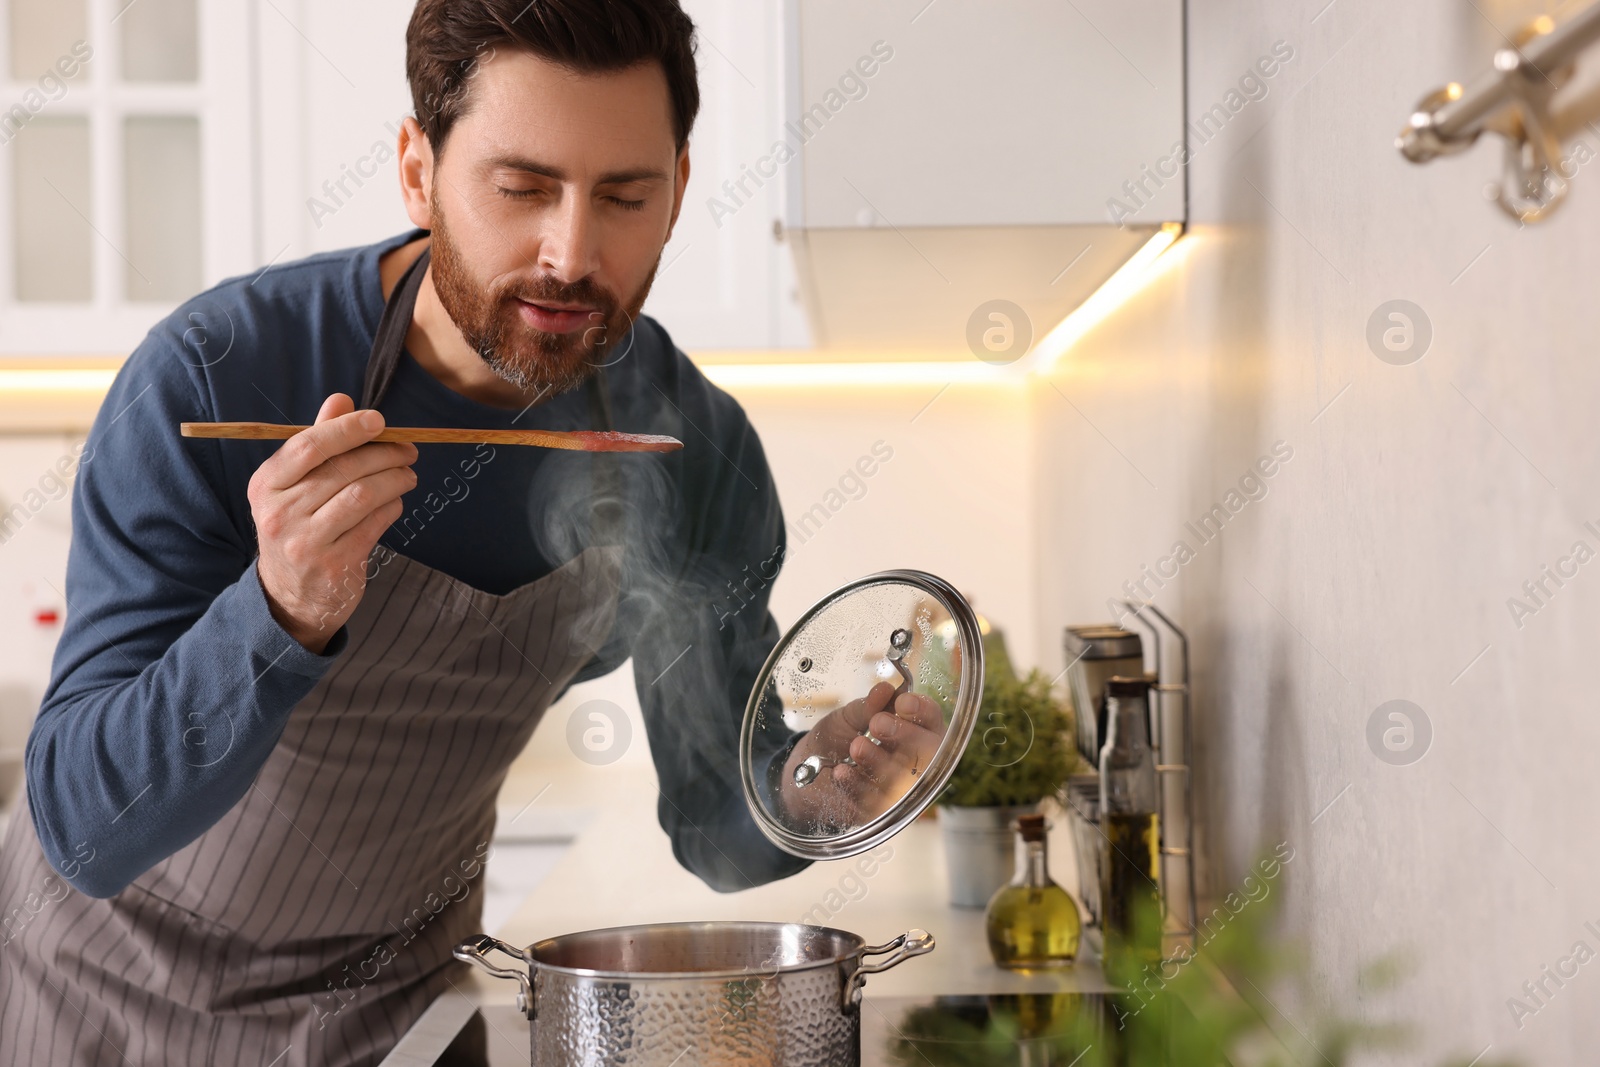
(913, 943)
(476, 951)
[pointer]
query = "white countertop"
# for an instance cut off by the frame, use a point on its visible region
(620, 870)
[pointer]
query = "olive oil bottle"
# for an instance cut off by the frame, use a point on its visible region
(1033, 923)
(1130, 895)
(1130, 888)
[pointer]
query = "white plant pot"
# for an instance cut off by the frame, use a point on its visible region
(979, 850)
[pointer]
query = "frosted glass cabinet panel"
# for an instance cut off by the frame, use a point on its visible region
(161, 183)
(42, 31)
(52, 193)
(127, 165)
(160, 40)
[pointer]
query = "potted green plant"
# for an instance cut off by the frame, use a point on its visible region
(1020, 753)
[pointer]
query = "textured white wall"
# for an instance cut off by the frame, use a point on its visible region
(953, 500)
(1381, 561)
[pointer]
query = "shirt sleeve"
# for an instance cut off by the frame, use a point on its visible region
(705, 633)
(172, 682)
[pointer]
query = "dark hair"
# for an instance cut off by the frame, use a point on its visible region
(447, 38)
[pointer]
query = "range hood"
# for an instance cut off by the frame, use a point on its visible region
(961, 152)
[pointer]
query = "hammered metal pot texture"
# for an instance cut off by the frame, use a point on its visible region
(706, 994)
(794, 1019)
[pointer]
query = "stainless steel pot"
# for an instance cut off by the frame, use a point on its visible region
(710, 994)
(716, 994)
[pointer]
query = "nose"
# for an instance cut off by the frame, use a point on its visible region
(569, 246)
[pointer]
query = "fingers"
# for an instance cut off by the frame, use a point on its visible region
(904, 745)
(880, 778)
(849, 780)
(909, 728)
(364, 534)
(886, 726)
(908, 732)
(337, 404)
(922, 710)
(858, 713)
(917, 746)
(884, 759)
(875, 760)
(321, 485)
(914, 719)
(355, 502)
(329, 438)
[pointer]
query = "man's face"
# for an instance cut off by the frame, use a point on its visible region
(550, 206)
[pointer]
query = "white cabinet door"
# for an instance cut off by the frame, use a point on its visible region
(333, 96)
(726, 281)
(983, 112)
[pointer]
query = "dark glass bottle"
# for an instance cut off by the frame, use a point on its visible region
(1130, 895)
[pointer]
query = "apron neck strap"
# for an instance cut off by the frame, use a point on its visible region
(607, 511)
(392, 330)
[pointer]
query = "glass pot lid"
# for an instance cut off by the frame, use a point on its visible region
(861, 714)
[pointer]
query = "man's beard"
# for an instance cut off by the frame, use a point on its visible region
(539, 363)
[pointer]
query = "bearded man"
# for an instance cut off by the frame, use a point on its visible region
(292, 677)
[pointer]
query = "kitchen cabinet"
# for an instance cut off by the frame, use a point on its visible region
(888, 161)
(726, 280)
(982, 112)
(958, 153)
(127, 177)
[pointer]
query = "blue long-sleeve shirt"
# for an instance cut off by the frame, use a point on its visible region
(168, 631)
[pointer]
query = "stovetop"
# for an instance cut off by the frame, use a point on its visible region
(1032, 1030)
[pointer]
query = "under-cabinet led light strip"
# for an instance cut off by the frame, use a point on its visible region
(1128, 280)
(92, 382)
(63, 380)
(1117, 290)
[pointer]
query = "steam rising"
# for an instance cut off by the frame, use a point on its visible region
(666, 614)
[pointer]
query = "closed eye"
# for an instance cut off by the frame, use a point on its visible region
(528, 194)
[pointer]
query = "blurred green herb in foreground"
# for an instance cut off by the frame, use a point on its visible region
(1174, 1014)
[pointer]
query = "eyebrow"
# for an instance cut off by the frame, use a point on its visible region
(626, 176)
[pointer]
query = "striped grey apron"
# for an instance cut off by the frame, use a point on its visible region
(313, 923)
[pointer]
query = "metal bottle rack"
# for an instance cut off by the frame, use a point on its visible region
(1169, 714)
(1170, 736)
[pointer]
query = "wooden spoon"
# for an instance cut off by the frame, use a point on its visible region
(577, 440)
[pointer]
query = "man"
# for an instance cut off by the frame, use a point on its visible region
(262, 781)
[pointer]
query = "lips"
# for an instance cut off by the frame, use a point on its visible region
(556, 319)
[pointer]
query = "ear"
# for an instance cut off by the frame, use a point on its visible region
(416, 174)
(680, 184)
